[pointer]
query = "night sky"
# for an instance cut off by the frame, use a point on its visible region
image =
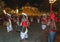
(41, 4)
(14, 3)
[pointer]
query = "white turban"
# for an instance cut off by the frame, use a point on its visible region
(24, 14)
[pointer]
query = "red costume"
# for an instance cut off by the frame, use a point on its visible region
(24, 23)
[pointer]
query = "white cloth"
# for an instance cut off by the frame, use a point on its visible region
(8, 14)
(43, 27)
(31, 19)
(24, 14)
(9, 28)
(38, 20)
(24, 35)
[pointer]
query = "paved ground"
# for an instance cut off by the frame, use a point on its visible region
(35, 35)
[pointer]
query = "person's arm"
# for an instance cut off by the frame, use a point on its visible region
(6, 13)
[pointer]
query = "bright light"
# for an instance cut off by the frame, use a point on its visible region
(52, 1)
(17, 10)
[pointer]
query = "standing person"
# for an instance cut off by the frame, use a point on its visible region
(9, 23)
(44, 22)
(17, 24)
(38, 20)
(24, 24)
(52, 31)
(31, 19)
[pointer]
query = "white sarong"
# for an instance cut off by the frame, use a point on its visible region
(43, 27)
(24, 35)
(9, 28)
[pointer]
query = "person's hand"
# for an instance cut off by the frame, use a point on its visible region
(4, 11)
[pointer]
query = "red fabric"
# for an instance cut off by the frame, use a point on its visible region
(52, 16)
(44, 20)
(24, 23)
(52, 30)
(56, 19)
